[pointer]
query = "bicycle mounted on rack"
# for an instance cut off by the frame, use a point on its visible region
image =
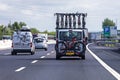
(71, 34)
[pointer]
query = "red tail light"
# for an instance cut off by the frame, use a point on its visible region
(56, 41)
(31, 44)
(12, 45)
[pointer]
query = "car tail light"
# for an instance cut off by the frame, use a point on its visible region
(12, 45)
(56, 41)
(31, 44)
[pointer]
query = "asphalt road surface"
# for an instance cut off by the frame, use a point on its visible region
(44, 66)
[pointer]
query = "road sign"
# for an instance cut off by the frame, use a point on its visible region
(107, 31)
(113, 31)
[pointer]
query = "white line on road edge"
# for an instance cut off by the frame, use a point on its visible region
(112, 71)
(34, 61)
(42, 57)
(20, 69)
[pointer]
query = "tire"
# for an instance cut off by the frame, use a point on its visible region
(13, 53)
(79, 47)
(83, 57)
(57, 56)
(45, 49)
(32, 53)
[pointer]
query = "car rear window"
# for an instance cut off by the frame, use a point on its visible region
(38, 40)
(68, 36)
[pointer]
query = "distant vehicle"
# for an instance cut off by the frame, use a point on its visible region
(40, 43)
(22, 41)
(71, 38)
(6, 37)
(35, 35)
(42, 35)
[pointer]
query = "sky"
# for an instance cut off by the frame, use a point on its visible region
(40, 13)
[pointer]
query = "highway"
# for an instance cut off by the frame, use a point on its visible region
(44, 66)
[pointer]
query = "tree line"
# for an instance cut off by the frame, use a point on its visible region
(10, 28)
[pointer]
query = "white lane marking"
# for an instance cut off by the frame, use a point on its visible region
(34, 61)
(108, 68)
(20, 69)
(48, 54)
(52, 51)
(42, 57)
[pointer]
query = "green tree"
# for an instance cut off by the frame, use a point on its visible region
(107, 22)
(7, 31)
(1, 29)
(51, 33)
(34, 30)
(17, 25)
(46, 31)
(22, 24)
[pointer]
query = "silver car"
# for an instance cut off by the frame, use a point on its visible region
(40, 43)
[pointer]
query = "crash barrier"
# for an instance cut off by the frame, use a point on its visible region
(106, 43)
(5, 44)
(51, 41)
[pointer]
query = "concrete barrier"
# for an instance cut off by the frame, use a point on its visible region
(51, 41)
(5, 44)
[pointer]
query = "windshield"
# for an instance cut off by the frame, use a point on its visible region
(68, 36)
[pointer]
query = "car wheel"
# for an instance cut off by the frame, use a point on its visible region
(13, 53)
(83, 57)
(32, 53)
(45, 49)
(57, 56)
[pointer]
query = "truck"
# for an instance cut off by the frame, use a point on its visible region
(71, 35)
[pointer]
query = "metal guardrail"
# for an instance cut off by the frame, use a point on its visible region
(108, 43)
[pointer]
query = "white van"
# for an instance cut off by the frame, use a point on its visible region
(22, 41)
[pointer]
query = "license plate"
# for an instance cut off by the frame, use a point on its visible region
(70, 53)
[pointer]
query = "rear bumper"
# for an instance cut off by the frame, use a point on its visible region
(75, 54)
(22, 50)
(41, 46)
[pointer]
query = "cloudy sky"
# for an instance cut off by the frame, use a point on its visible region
(40, 13)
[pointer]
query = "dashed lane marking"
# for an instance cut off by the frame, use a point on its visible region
(42, 57)
(34, 61)
(52, 51)
(20, 69)
(108, 68)
(48, 54)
